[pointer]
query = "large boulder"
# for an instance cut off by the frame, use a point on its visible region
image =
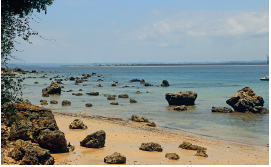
(246, 100)
(115, 158)
(181, 98)
(94, 140)
(31, 154)
(53, 89)
(151, 147)
(21, 130)
(165, 83)
(77, 124)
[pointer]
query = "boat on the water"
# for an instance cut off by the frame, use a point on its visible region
(266, 78)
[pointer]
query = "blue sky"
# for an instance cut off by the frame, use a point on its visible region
(169, 31)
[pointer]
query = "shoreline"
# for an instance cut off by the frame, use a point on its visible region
(125, 137)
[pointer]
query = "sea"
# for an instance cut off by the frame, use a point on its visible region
(213, 84)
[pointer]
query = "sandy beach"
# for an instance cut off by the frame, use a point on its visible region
(125, 137)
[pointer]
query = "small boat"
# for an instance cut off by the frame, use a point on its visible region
(266, 78)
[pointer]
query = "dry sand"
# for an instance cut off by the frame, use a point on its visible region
(125, 137)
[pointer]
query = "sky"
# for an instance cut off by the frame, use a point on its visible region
(136, 31)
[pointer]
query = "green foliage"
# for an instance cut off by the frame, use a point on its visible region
(10, 114)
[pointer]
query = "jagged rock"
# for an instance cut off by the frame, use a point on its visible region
(138, 118)
(172, 156)
(151, 147)
(201, 152)
(54, 88)
(246, 100)
(31, 154)
(165, 83)
(21, 130)
(115, 158)
(189, 146)
(66, 103)
(114, 103)
(182, 98)
(77, 124)
(181, 108)
(151, 123)
(133, 101)
(222, 109)
(93, 93)
(89, 105)
(94, 140)
(53, 102)
(123, 96)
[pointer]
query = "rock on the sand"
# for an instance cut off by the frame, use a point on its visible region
(201, 152)
(151, 147)
(138, 118)
(189, 146)
(94, 140)
(115, 158)
(77, 124)
(172, 156)
(151, 123)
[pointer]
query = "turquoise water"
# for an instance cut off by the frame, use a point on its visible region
(213, 84)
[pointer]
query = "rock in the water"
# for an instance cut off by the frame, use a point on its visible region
(44, 103)
(138, 118)
(246, 100)
(181, 108)
(133, 101)
(31, 154)
(182, 98)
(151, 147)
(114, 103)
(110, 97)
(94, 140)
(77, 124)
(222, 109)
(189, 146)
(165, 83)
(53, 89)
(115, 158)
(66, 103)
(123, 96)
(93, 93)
(172, 156)
(147, 84)
(135, 80)
(53, 102)
(89, 105)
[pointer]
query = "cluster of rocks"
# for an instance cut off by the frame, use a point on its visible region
(201, 151)
(138, 118)
(245, 101)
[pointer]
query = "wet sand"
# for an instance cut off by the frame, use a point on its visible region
(125, 137)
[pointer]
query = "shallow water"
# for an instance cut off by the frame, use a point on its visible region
(213, 85)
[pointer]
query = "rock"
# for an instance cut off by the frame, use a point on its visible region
(137, 92)
(70, 90)
(44, 102)
(99, 85)
(94, 140)
(21, 130)
(53, 102)
(147, 84)
(133, 101)
(111, 97)
(189, 146)
(53, 140)
(222, 109)
(182, 98)
(246, 100)
(114, 103)
(151, 147)
(113, 85)
(66, 103)
(53, 89)
(36, 82)
(142, 81)
(45, 95)
(151, 123)
(78, 94)
(201, 152)
(123, 96)
(181, 108)
(89, 105)
(172, 156)
(80, 90)
(31, 154)
(26, 101)
(138, 118)
(72, 78)
(165, 83)
(115, 158)
(135, 80)
(77, 124)
(93, 93)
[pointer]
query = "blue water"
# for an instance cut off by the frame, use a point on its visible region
(213, 84)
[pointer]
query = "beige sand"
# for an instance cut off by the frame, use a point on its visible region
(125, 137)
